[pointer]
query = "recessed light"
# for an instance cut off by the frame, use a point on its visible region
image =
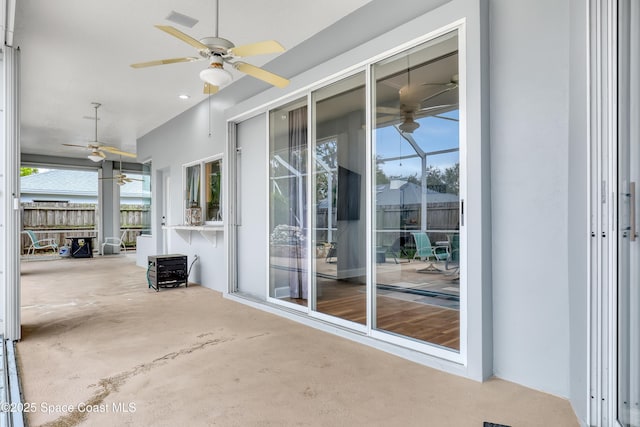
(184, 96)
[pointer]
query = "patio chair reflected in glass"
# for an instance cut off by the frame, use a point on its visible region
(40, 244)
(398, 252)
(424, 249)
(453, 260)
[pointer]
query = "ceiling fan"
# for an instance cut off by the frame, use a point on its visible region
(414, 102)
(219, 51)
(97, 149)
(121, 178)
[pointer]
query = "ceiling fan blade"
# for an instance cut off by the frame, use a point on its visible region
(164, 62)
(260, 48)
(75, 145)
(436, 108)
(114, 150)
(209, 89)
(182, 36)
(261, 74)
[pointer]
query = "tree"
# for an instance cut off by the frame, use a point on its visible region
(381, 177)
(451, 178)
(442, 181)
(28, 171)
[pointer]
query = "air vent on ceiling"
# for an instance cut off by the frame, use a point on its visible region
(180, 19)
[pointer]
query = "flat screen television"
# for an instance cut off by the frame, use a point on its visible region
(348, 208)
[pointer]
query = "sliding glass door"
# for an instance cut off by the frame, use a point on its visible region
(339, 218)
(334, 189)
(288, 203)
(628, 304)
(417, 194)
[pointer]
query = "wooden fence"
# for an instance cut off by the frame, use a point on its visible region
(53, 220)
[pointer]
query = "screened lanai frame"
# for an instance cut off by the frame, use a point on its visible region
(458, 357)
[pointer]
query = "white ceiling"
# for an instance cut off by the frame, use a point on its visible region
(75, 52)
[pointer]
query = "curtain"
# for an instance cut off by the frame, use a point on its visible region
(193, 186)
(297, 202)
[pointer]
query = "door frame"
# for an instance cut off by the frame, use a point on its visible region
(602, 158)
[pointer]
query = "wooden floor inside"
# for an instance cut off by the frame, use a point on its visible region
(424, 322)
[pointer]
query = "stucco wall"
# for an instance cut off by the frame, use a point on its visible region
(529, 157)
(182, 140)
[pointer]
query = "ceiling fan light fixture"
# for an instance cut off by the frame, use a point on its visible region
(95, 157)
(409, 125)
(216, 75)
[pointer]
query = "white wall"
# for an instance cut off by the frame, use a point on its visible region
(578, 212)
(182, 140)
(529, 95)
(529, 158)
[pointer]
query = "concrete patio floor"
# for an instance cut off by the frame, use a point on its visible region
(101, 349)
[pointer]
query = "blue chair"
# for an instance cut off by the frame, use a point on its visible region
(424, 249)
(40, 244)
(454, 252)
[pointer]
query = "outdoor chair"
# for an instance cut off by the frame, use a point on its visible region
(116, 242)
(424, 249)
(454, 252)
(397, 250)
(40, 244)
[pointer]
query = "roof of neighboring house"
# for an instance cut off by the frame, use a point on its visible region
(72, 182)
(408, 193)
(404, 193)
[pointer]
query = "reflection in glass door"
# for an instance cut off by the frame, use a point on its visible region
(417, 194)
(628, 361)
(288, 231)
(339, 223)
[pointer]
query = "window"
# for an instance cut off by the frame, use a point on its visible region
(213, 177)
(203, 191)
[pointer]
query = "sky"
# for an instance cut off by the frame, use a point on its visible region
(433, 134)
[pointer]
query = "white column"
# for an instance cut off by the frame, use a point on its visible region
(10, 196)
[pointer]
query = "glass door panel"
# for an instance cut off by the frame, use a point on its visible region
(339, 221)
(288, 273)
(628, 375)
(417, 198)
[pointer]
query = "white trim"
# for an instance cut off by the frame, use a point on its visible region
(312, 297)
(11, 195)
(203, 195)
(286, 304)
(369, 204)
(462, 191)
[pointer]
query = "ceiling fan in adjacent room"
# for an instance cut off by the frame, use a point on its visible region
(98, 149)
(121, 178)
(419, 101)
(218, 51)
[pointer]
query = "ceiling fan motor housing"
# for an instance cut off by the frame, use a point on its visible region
(216, 45)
